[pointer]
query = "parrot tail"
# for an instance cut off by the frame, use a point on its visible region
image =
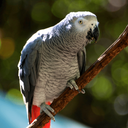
(36, 112)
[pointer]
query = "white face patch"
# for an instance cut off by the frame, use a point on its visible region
(80, 24)
(83, 24)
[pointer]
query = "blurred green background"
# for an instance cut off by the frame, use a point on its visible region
(105, 104)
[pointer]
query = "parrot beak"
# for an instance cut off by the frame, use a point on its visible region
(93, 35)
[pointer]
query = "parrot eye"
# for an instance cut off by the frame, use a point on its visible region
(80, 22)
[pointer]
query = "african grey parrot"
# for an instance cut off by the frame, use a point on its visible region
(53, 58)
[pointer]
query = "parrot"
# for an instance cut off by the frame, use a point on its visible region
(52, 59)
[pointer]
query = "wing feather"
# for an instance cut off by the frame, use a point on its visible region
(81, 56)
(28, 69)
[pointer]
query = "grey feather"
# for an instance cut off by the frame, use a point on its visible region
(54, 56)
(81, 55)
(28, 67)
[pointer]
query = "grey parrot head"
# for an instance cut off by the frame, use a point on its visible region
(84, 24)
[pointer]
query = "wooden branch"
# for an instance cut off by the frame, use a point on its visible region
(59, 103)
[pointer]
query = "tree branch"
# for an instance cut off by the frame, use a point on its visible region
(59, 103)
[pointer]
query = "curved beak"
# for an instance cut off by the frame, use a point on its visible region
(96, 34)
(93, 35)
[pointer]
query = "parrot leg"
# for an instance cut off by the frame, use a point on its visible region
(47, 108)
(72, 84)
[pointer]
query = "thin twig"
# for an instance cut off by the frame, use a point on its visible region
(59, 103)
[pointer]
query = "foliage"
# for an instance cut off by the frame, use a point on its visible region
(106, 99)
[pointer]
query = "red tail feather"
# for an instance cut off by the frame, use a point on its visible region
(36, 113)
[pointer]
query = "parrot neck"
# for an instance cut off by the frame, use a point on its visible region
(70, 41)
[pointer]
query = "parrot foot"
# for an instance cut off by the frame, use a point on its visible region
(72, 84)
(47, 108)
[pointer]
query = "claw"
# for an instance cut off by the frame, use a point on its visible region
(69, 85)
(72, 84)
(46, 108)
(82, 91)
